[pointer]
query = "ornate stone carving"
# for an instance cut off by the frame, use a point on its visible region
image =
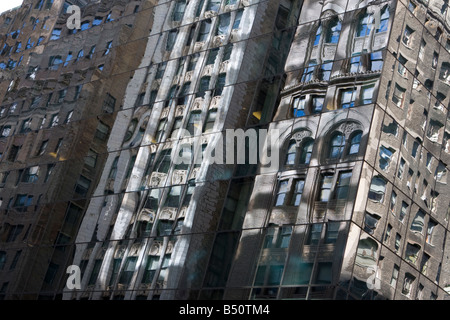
(147, 215)
(198, 103)
(157, 179)
(180, 110)
(179, 177)
(169, 248)
(210, 14)
(119, 252)
(165, 113)
(218, 40)
(224, 66)
(182, 212)
(168, 213)
(300, 135)
(207, 70)
(348, 127)
(155, 249)
(188, 76)
(235, 35)
(194, 173)
(198, 46)
(134, 250)
(215, 102)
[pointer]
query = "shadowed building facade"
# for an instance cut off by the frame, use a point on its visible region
(354, 91)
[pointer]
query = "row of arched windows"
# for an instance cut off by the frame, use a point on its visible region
(300, 153)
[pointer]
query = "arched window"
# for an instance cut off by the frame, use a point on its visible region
(384, 22)
(306, 151)
(299, 155)
(334, 30)
(318, 35)
(337, 145)
(355, 142)
(291, 153)
(364, 25)
(377, 189)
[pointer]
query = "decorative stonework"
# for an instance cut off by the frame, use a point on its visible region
(189, 75)
(168, 213)
(218, 40)
(198, 103)
(210, 14)
(134, 250)
(179, 110)
(147, 215)
(299, 136)
(215, 102)
(207, 70)
(157, 179)
(155, 249)
(224, 66)
(179, 177)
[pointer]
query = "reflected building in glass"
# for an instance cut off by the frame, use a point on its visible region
(354, 91)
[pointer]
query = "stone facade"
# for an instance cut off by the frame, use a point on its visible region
(357, 208)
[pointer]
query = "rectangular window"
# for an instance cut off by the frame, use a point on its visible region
(128, 271)
(299, 106)
(224, 24)
(282, 193)
(160, 130)
(355, 64)
(91, 159)
(423, 44)
(237, 19)
(102, 131)
(398, 96)
(160, 70)
(212, 55)
(213, 5)
(394, 276)
(13, 153)
(348, 98)
(109, 103)
(314, 235)
(164, 161)
(56, 33)
(210, 120)
(297, 194)
(194, 123)
(367, 94)
(178, 11)
(407, 35)
(317, 103)
(31, 174)
(332, 232)
(220, 84)
(402, 65)
(171, 37)
(325, 188)
(82, 186)
(343, 184)
(205, 28)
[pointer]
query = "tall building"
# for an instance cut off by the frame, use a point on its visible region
(60, 89)
(354, 93)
